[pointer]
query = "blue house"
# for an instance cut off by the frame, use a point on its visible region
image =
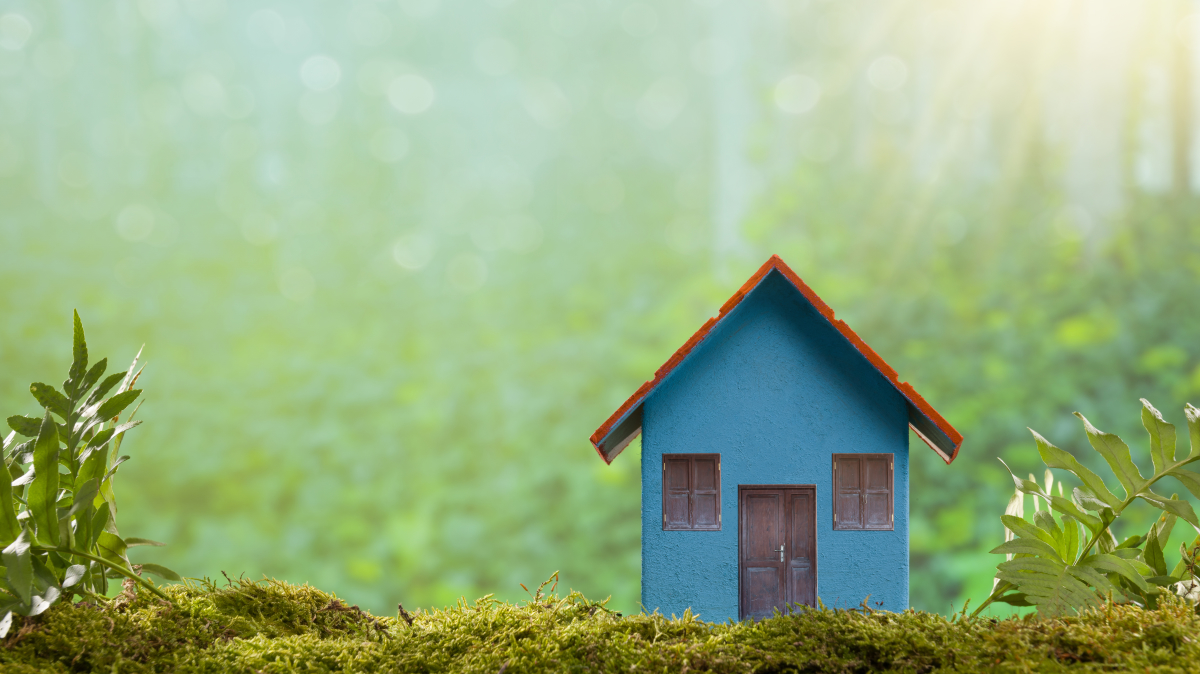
(777, 416)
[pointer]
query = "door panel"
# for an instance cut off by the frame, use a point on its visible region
(764, 521)
(777, 548)
(761, 533)
(764, 591)
(802, 547)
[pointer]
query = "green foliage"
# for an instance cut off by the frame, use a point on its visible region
(58, 517)
(386, 433)
(1073, 561)
(269, 626)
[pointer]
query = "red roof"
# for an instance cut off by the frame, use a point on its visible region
(946, 447)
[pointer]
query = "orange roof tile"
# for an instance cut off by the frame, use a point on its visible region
(775, 263)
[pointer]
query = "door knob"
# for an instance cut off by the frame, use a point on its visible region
(781, 552)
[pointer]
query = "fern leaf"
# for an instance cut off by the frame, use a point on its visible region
(1051, 585)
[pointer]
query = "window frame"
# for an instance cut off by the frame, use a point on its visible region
(862, 492)
(691, 459)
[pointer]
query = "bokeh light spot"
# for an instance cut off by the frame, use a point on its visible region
(662, 103)
(411, 94)
(797, 94)
(495, 56)
(320, 73)
(135, 222)
(204, 94)
(273, 170)
(266, 28)
(413, 251)
(1188, 30)
(887, 73)
(239, 102)
(505, 185)
(15, 31)
(546, 103)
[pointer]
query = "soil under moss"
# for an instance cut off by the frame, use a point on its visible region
(271, 626)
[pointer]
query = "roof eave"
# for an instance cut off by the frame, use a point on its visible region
(620, 435)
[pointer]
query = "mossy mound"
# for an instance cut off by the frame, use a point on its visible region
(270, 626)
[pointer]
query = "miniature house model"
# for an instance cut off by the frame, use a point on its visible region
(774, 461)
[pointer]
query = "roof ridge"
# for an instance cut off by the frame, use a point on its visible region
(776, 263)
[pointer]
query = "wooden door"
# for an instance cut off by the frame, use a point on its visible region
(777, 548)
(802, 546)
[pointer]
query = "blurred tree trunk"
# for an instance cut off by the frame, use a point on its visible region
(733, 116)
(1181, 39)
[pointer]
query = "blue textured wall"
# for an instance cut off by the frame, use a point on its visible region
(775, 390)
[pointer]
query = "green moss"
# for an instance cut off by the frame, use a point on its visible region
(270, 626)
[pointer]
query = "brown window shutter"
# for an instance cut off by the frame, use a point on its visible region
(847, 480)
(691, 492)
(706, 492)
(877, 493)
(676, 492)
(862, 491)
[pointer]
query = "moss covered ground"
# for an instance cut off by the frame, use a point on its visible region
(271, 626)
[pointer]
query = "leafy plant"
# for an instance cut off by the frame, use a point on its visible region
(1073, 561)
(58, 512)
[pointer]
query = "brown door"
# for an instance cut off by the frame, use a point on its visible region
(777, 548)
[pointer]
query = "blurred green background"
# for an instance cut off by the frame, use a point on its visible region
(394, 262)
